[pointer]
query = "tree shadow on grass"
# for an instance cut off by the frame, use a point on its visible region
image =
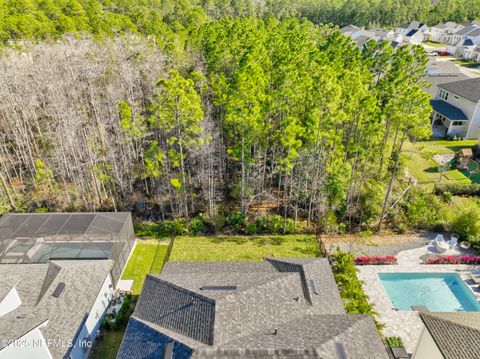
(258, 240)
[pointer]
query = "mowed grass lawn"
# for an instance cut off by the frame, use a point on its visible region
(421, 165)
(243, 248)
(148, 257)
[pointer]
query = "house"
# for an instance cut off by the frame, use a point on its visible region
(52, 310)
(278, 308)
(58, 273)
(405, 28)
(442, 32)
(456, 109)
(350, 30)
(474, 35)
(40, 237)
(462, 48)
(414, 37)
(454, 335)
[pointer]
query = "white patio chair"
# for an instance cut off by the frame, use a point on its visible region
(452, 243)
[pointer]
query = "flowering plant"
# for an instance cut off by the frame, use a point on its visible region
(375, 260)
(465, 259)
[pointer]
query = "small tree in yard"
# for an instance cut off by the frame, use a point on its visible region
(467, 225)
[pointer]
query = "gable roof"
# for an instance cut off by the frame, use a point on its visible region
(474, 33)
(35, 284)
(469, 89)
(457, 335)
(451, 112)
(465, 30)
(289, 306)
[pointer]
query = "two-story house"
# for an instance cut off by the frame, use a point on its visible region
(456, 109)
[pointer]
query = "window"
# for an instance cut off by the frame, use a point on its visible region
(456, 97)
(457, 123)
(443, 95)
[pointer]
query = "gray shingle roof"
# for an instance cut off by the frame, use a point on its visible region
(279, 308)
(449, 111)
(35, 284)
(469, 89)
(455, 338)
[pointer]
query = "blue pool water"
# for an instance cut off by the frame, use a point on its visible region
(439, 292)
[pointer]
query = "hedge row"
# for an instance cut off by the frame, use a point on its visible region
(458, 189)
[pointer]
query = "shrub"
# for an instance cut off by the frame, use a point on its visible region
(196, 225)
(467, 225)
(236, 220)
(354, 298)
(251, 228)
(458, 189)
(375, 260)
(465, 259)
(421, 209)
(214, 223)
(394, 342)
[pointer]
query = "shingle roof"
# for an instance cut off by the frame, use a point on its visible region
(279, 308)
(453, 337)
(411, 33)
(465, 30)
(469, 89)
(474, 33)
(449, 111)
(35, 284)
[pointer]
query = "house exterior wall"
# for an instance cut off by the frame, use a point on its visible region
(426, 347)
(470, 109)
(10, 302)
(86, 336)
(31, 345)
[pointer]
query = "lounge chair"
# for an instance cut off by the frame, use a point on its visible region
(452, 243)
(440, 244)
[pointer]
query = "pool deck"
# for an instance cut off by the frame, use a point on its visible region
(407, 325)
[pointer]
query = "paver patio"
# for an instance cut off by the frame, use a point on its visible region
(406, 324)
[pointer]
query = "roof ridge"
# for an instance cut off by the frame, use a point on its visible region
(50, 275)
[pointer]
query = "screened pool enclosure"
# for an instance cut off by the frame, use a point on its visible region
(39, 237)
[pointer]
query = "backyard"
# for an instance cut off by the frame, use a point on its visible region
(147, 257)
(421, 165)
(243, 248)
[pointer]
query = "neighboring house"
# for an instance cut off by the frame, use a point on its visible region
(278, 308)
(462, 48)
(39, 237)
(449, 336)
(58, 272)
(443, 32)
(414, 37)
(350, 30)
(474, 35)
(456, 109)
(405, 28)
(52, 310)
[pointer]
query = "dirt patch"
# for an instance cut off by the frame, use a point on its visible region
(380, 245)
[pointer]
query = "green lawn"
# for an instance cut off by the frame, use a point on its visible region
(465, 63)
(421, 165)
(243, 248)
(107, 347)
(147, 257)
(434, 44)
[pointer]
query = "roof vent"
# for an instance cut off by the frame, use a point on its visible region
(58, 290)
(168, 354)
(313, 282)
(219, 287)
(340, 349)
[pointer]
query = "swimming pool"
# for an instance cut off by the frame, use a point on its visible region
(439, 292)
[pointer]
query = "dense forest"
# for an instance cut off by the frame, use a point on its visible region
(173, 108)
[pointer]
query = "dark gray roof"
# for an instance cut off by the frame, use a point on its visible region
(411, 33)
(469, 89)
(440, 72)
(474, 33)
(453, 335)
(410, 25)
(465, 30)
(468, 42)
(449, 111)
(279, 308)
(35, 284)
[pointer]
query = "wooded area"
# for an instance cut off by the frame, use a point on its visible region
(201, 116)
